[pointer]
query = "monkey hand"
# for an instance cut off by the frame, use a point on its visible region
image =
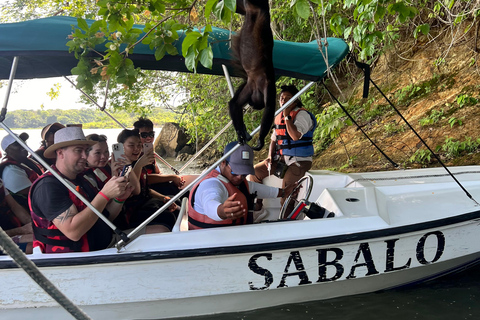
(243, 136)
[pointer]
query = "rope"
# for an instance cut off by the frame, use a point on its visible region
(31, 269)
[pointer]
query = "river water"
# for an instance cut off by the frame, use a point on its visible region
(452, 297)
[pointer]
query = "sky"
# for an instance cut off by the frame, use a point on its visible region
(31, 94)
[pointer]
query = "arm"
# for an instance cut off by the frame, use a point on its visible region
(19, 211)
(160, 178)
(74, 224)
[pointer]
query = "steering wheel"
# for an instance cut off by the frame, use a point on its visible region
(308, 188)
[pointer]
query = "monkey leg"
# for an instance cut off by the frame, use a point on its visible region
(268, 113)
(236, 112)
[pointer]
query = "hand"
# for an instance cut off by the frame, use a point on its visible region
(146, 159)
(178, 181)
(173, 206)
(288, 189)
(117, 165)
(115, 187)
(27, 228)
(128, 192)
(231, 209)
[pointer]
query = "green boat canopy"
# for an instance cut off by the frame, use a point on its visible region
(41, 47)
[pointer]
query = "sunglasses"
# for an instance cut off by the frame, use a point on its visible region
(150, 134)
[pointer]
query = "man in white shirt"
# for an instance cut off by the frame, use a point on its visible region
(224, 197)
(17, 171)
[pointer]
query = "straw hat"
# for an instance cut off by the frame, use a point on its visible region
(69, 136)
(54, 127)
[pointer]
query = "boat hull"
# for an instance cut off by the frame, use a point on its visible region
(384, 234)
(207, 284)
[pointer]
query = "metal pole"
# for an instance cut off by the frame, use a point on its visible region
(122, 243)
(13, 71)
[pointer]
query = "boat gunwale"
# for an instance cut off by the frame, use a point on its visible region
(248, 248)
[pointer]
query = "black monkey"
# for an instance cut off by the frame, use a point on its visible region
(253, 47)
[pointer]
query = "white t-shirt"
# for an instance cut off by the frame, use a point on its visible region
(15, 179)
(304, 123)
(211, 193)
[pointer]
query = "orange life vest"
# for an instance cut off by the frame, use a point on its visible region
(197, 220)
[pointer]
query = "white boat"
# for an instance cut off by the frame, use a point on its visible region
(386, 229)
(390, 229)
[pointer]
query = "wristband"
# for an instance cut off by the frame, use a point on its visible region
(165, 199)
(103, 195)
(119, 200)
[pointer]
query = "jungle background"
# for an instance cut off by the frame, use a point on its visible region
(423, 55)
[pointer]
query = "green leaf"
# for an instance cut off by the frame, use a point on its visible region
(230, 4)
(303, 9)
(209, 7)
(160, 7)
(379, 13)
(171, 50)
(190, 39)
(206, 57)
(82, 24)
(190, 62)
(160, 51)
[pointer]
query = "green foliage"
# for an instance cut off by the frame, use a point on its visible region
(453, 148)
(465, 100)
(330, 124)
(393, 128)
(453, 121)
(421, 156)
(434, 117)
(90, 118)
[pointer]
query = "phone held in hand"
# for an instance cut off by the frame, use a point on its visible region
(126, 171)
(117, 150)
(147, 147)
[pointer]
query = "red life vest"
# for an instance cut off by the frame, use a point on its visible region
(100, 176)
(286, 145)
(198, 220)
(46, 234)
(31, 174)
(8, 220)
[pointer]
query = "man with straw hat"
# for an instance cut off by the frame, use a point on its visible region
(61, 221)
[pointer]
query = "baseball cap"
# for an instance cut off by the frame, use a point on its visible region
(8, 139)
(241, 160)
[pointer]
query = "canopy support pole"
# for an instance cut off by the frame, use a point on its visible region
(232, 92)
(122, 243)
(13, 71)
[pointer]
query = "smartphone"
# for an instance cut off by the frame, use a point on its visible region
(117, 150)
(147, 147)
(126, 171)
